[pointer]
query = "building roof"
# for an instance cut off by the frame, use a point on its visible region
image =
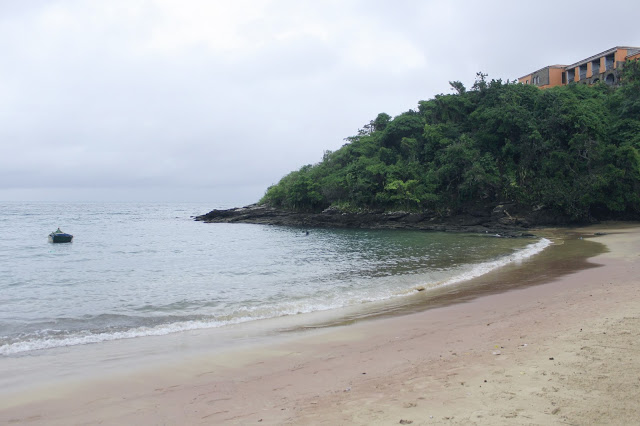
(599, 55)
(633, 51)
(548, 66)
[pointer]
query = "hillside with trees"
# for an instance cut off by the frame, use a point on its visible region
(571, 151)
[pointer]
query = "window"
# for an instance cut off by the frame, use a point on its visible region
(583, 71)
(608, 62)
(595, 67)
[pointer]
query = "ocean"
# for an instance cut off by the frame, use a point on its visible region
(148, 269)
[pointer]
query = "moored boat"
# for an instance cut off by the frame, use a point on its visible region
(58, 236)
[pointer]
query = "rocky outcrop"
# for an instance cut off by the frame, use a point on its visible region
(503, 219)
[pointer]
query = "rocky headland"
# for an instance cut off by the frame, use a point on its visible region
(504, 219)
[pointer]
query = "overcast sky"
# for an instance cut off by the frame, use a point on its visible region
(196, 100)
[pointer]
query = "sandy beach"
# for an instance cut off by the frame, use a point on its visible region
(562, 351)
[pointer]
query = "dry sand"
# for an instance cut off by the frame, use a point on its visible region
(562, 352)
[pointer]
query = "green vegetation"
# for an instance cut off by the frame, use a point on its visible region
(571, 149)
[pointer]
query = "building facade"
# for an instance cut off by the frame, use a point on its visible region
(603, 67)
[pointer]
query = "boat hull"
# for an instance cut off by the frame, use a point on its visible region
(60, 238)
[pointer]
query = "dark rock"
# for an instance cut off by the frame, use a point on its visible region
(504, 219)
(413, 218)
(498, 210)
(480, 213)
(508, 221)
(395, 215)
(331, 210)
(474, 220)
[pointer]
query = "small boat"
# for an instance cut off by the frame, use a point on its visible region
(58, 236)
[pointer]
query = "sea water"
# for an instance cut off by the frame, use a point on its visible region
(145, 269)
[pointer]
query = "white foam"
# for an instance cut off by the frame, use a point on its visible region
(73, 340)
(486, 267)
(246, 314)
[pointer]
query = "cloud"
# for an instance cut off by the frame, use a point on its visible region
(193, 96)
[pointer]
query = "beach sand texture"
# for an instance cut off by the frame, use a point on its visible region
(561, 352)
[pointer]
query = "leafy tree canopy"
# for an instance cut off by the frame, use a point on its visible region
(572, 149)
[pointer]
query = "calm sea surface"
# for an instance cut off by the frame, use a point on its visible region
(144, 269)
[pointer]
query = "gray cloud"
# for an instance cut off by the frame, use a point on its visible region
(205, 100)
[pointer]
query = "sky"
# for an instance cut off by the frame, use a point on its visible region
(214, 101)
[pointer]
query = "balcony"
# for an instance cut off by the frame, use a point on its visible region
(583, 72)
(609, 60)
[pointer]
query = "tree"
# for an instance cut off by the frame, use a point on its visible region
(403, 126)
(480, 82)
(573, 149)
(381, 121)
(458, 87)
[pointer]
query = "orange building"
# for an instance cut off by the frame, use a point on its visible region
(604, 66)
(552, 75)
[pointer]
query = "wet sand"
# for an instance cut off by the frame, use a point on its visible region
(560, 350)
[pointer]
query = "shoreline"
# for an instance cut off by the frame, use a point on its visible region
(504, 219)
(427, 367)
